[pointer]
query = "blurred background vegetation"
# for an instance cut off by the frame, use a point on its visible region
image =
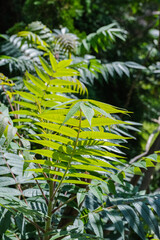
(133, 87)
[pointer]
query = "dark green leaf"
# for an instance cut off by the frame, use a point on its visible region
(95, 221)
(147, 216)
(132, 219)
(5, 221)
(117, 221)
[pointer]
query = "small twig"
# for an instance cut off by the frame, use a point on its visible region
(62, 204)
(99, 210)
(9, 101)
(41, 190)
(40, 236)
(17, 236)
(146, 148)
(138, 157)
(18, 185)
(44, 174)
(34, 224)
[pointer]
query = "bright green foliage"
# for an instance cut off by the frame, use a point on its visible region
(104, 36)
(68, 161)
(61, 156)
(69, 121)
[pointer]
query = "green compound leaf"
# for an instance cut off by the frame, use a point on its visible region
(53, 61)
(148, 216)
(71, 112)
(46, 67)
(133, 220)
(115, 217)
(95, 221)
(88, 112)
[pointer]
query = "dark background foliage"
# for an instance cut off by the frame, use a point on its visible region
(138, 93)
(122, 68)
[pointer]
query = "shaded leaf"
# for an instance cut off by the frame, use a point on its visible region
(132, 219)
(96, 224)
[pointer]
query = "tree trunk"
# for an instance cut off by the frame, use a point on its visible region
(149, 172)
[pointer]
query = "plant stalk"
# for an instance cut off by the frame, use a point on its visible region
(69, 163)
(50, 208)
